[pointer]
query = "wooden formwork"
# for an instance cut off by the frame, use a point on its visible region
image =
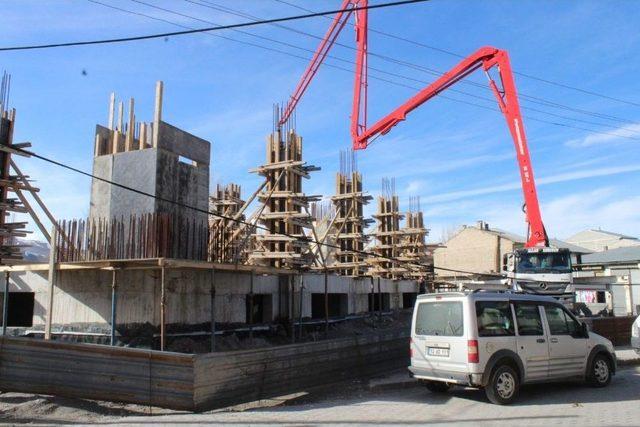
(284, 205)
(388, 235)
(349, 224)
(224, 239)
(413, 247)
(129, 135)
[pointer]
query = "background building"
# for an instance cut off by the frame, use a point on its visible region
(601, 240)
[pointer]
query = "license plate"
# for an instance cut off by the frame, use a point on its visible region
(435, 351)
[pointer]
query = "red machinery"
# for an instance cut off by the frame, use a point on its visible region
(485, 58)
(359, 110)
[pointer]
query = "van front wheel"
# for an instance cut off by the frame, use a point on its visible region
(437, 386)
(503, 385)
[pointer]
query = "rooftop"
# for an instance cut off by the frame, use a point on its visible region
(619, 255)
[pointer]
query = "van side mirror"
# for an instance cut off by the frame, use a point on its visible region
(584, 330)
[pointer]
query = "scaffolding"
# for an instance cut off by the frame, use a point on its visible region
(387, 235)
(350, 223)
(284, 207)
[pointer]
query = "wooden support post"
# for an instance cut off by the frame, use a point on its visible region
(112, 106)
(131, 127)
(52, 282)
(162, 306)
(5, 304)
(114, 302)
(157, 115)
(213, 310)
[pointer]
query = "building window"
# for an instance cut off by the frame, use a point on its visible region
(20, 308)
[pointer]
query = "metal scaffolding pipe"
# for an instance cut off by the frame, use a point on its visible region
(114, 301)
(5, 304)
(162, 307)
(213, 310)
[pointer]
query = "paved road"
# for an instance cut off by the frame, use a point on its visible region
(539, 405)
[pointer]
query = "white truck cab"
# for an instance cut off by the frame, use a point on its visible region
(500, 340)
(544, 271)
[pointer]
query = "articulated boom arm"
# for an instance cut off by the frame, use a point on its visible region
(359, 109)
(486, 57)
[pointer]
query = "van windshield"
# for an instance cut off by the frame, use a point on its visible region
(439, 318)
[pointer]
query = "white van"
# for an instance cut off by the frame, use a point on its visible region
(500, 340)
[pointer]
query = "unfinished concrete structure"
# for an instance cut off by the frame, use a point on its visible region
(350, 223)
(388, 235)
(156, 158)
(284, 210)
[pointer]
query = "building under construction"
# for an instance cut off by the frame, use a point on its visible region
(173, 257)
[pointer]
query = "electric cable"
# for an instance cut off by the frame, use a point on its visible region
(457, 55)
(201, 30)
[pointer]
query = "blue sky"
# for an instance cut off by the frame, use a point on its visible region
(457, 157)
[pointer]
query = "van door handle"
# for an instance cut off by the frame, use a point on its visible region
(554, 340)
(540, 340)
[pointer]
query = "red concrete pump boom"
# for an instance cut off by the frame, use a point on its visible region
(487, 58)
(359, 109)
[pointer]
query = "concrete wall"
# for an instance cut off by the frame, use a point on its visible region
(84, 296)
(158, 171)
(473, 250)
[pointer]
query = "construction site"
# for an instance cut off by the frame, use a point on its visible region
(152, 266)
(177, 286)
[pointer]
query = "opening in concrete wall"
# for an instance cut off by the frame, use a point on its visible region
(409, 299)
(338, 305)
(374, 301)
(262, 307)
(20, 308)
(186, 160)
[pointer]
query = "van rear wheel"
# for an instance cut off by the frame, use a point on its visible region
(437, 386)
(503, 385)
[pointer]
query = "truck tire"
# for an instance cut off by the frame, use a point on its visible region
(437, 386)
(599, 374)
(503, 385)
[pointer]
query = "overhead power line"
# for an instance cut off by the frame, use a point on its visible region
(457, 55)
(384, 80)
(437, 73)
(202, 30)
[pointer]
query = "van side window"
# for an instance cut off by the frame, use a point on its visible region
(494, 318)
(559, 322)
(528, 318)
